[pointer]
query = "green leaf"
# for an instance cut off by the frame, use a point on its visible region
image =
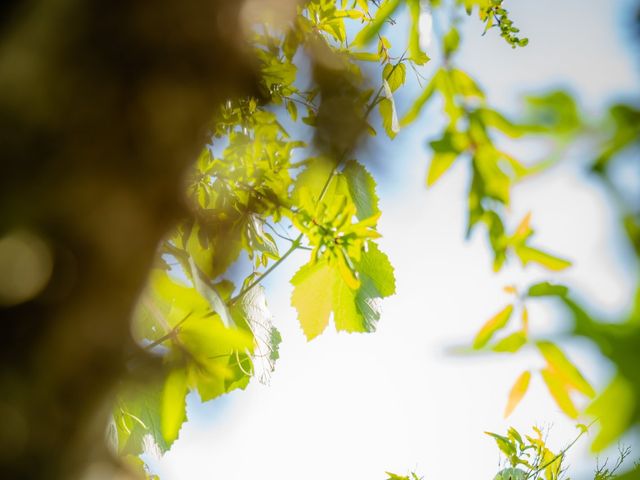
(544, 289)
(550, 262)
(136, 416)
(614, 408)
(505, 444)
(558, 390)
(494, 324)
(511, 343)
(415, 52)
(320, 289)
(419, 102)
(564, 368)
(173, 404)
(395, 75)
(362, 188)
(293, 110)
(440, 163)
(517, 393)
(451, 41)
(364, 36)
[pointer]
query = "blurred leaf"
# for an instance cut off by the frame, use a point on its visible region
(564, 368)
(511, 343)
(614, 409)
(386, 9)
(544, 289)
(517, 393)
(558, 390)
(494, 324)
(550, 262)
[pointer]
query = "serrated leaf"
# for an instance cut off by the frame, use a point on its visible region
(564, 368)
(517, 393)
(558, 390)
(173, 404)
(550, 262)
(494, 324)
(362, 188)
(394, 75)
(253, 312)
(320, 289)
(313, 297)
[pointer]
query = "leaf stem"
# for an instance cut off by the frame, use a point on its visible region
(295, 244)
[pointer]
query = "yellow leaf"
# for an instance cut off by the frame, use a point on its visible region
(525, 320)
(495, 323)
(524, 229)
(559, 392)
(173, 404)
(564, 368)
(550, 262)
(517, 392)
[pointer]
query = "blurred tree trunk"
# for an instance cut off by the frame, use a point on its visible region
(103, 105)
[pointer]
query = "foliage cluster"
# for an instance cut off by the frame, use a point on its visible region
(256, 182)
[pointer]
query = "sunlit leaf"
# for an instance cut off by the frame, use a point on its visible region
(529, 254)
(517, 393)
(174, 404)
(511, 343)
(614, 410)
(559, 392)
(564, 368)
(493, 325)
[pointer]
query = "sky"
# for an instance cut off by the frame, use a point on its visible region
(352, 406)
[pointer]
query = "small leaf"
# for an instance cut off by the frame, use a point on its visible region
(173, 404)
(384, 12)
(395, 75)
(564, 368)
(511, 343)
(440, 163)
(362, 188)
(494, 324)
(293, 110)
(559, 392)
(529, 254)
(545, 289)
(504, 444)
(517, 393)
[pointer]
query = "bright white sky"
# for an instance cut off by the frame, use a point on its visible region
(352, 406)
